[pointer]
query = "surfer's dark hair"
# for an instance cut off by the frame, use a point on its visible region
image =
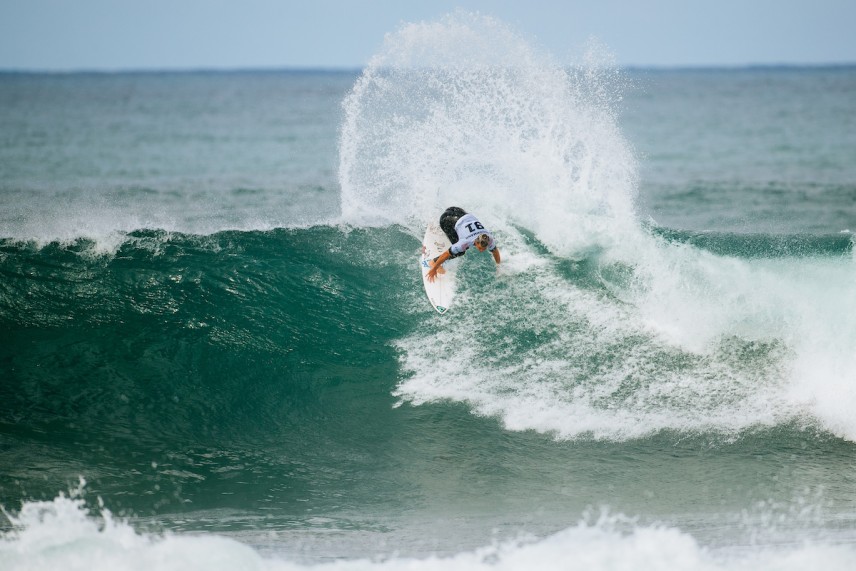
(482, 240)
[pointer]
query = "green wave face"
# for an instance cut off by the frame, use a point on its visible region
(303, 371)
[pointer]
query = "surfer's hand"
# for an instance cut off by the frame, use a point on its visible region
(436, 266)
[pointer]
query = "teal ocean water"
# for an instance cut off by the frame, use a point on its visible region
(215, 352)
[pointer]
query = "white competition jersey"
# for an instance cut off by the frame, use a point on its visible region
(468, 228)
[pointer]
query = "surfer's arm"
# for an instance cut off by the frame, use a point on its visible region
(495, 253)
(432, 273)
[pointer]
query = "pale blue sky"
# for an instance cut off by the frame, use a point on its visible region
(182, 34)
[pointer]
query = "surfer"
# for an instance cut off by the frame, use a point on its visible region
(463, 230)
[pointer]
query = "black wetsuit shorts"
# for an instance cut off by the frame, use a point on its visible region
(448, 220)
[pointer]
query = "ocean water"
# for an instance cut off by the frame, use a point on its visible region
(215, 352)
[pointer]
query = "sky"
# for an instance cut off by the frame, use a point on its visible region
(109, 35)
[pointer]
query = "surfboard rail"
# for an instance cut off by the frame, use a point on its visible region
(441, 291)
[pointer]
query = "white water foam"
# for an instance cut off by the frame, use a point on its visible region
(464, 111)
(63, 534)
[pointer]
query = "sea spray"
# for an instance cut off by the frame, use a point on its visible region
(464, 111)
(667, 336)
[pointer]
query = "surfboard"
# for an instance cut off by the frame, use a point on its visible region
(441, 291)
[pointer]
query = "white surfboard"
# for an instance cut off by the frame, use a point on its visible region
(442, 289)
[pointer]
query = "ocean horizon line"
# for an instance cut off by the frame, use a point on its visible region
(313, 70)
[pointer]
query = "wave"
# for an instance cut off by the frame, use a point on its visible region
(66, 534)
(194, 338)
(102, 220)
(745, 245)
(598, 325)
(595, 325)
(610, 346)
(233, 361)
(619, 347)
